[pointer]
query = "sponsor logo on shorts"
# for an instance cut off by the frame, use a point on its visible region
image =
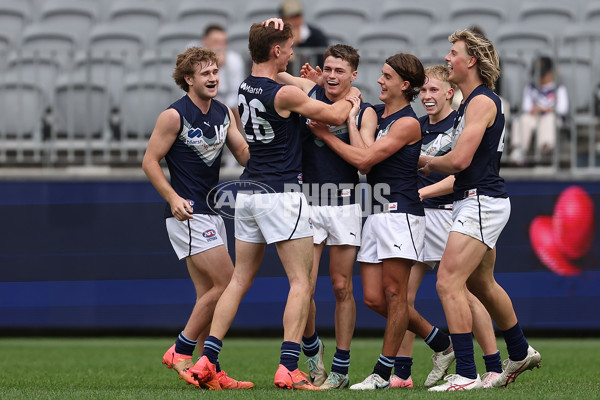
(390, 207)
(210, 235)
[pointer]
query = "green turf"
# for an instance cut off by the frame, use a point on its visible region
(130, 368)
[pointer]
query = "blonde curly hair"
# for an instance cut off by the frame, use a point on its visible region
(483, 50)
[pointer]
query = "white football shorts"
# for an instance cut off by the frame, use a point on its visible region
(392, 235)
(201, 233)
(437, 229)
(337, 225)
(481, 217)
(272, 217)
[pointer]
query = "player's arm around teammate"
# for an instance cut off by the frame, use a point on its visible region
(402, 132)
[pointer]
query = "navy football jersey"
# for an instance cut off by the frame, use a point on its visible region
(437, 141)
(484, 172)
(274, 141)
(321, 165)
(399, 170)
(194, 159)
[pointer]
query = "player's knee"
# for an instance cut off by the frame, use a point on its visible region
(376, 304)
(342, 290)
(442, 286)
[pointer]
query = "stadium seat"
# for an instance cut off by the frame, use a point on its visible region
(72, 17)
(383, 40)
(6, 42)
(437, 44)
(139, 16)
(81, 119)
(340, 16)
(577, 73)
(49, 41)
(116, 41)
(22, 106)
(489, 17)
(336, 36)
(103, 68)
(514, 76)
(546, 16)
(237, 37)
(416, 18)
(203, 14)
(258, 11)
(174, 38)
(524, 41)
(14, 16)
(591, 13)
(33, 67)
(159, 67)
(581, 40)
(137, 121)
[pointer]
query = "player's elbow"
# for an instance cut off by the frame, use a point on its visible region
(335, 120)
(460, 164)
(363, 166)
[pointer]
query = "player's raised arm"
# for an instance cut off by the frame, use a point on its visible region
(291, 98)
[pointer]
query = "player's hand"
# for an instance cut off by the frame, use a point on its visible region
(355, 108)
(277, 23)
(426, 169)
(315, 75)
(354, 92)
(319, 129)
(182, 209)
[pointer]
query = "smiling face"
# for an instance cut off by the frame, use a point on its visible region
(458, 61)
(391, 84)
(436, 96)
(338, 77)
(205, 81)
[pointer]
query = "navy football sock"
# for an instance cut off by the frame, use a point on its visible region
(212, 348)
(437, 340)
(493, 363)
(516, 344)
(290, 353)
(341, 361)
(384, 366)
(186, 346)
(310, 345)
(463, 351)
(402, 367)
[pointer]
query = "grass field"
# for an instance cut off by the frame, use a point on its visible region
(130, 368)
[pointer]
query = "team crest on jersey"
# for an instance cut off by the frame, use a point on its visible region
(207, 143)
(195, 133)
(210, 235)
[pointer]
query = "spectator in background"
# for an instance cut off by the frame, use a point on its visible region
(305, 35)
(544, 100)
(232, 71)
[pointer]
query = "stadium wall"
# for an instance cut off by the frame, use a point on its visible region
(94, 255)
